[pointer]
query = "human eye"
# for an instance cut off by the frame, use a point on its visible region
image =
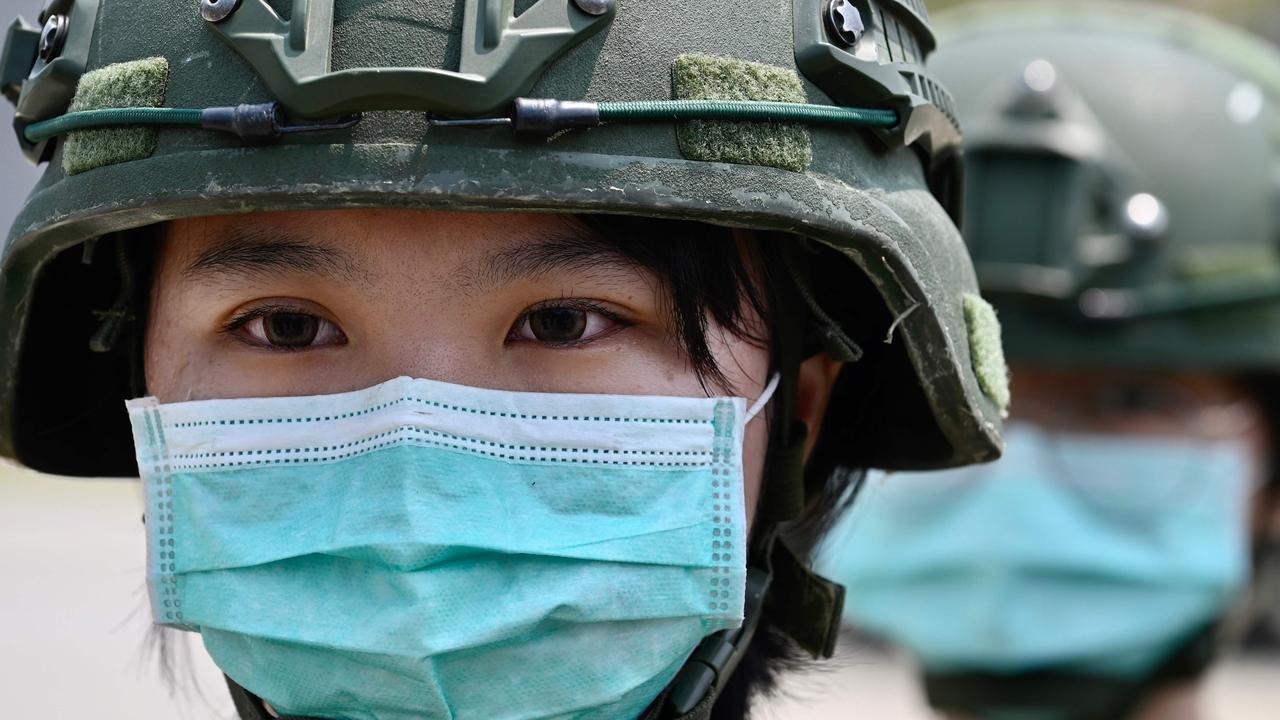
(566, 323)
(284, 327)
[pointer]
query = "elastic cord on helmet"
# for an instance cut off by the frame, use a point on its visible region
(258, 122)
(546, 117)
(114, 117)
(264, 121)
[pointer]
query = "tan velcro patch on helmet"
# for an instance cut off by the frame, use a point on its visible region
(706, 77)
(140, 83)
(987, 351)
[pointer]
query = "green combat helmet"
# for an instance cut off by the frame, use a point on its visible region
(230, 106)
(1087, 217)
(808, 117)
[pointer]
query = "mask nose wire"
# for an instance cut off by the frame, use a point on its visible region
(764, 398)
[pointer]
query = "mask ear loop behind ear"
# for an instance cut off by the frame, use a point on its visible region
(765, 396)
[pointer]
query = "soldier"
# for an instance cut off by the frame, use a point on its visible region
(448, 402)
(1122, 215)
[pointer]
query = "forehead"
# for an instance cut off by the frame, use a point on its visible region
(461, 249)
(361, 230)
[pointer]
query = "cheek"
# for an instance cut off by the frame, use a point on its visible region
(167, 361)
(174, 373)
(166, 354)
(177, 362)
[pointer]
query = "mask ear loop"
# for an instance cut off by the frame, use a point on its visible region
(765, 396)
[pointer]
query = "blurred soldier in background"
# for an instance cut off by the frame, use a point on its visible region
(1122, 214)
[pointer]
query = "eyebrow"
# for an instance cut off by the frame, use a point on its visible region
(572, 249)
(266, 252)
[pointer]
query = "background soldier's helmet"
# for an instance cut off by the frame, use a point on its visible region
(873, 188)
(1123, 197)
(1123, 201)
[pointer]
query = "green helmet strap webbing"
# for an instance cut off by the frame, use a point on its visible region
(701, 712)
(806, 606)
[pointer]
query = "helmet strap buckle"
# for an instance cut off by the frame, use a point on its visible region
(718, 655)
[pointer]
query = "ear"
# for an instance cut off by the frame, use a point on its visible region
(814, 383)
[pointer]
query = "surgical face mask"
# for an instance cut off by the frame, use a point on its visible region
(1089, 554)
(427, 550)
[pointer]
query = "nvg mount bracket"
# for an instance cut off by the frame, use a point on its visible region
(502, 56)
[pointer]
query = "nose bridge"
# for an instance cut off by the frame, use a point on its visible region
(439, 351)
(435, 324)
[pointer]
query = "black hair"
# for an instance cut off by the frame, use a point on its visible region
(708, 278)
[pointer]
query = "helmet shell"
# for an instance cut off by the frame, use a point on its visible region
(869, 201)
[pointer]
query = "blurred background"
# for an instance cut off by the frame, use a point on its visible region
(74, 630)
(1261, 16)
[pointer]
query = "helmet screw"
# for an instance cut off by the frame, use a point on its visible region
(53, 37)
(594, 7)
(844, 22)
(215, 11)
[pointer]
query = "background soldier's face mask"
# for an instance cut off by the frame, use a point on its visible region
(1087, 553)
(427, 550)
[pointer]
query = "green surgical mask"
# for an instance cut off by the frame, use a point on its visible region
(426, 550)
(1081, 553)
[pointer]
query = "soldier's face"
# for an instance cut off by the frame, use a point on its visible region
(324, 302)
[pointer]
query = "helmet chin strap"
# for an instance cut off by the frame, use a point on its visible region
(694, 691)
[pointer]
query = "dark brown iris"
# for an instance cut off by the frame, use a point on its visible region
(557, 325)
(291, 330)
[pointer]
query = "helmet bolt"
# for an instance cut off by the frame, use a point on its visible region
(844, 22)
(217, 10)
(53, 37)
(594, 7)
